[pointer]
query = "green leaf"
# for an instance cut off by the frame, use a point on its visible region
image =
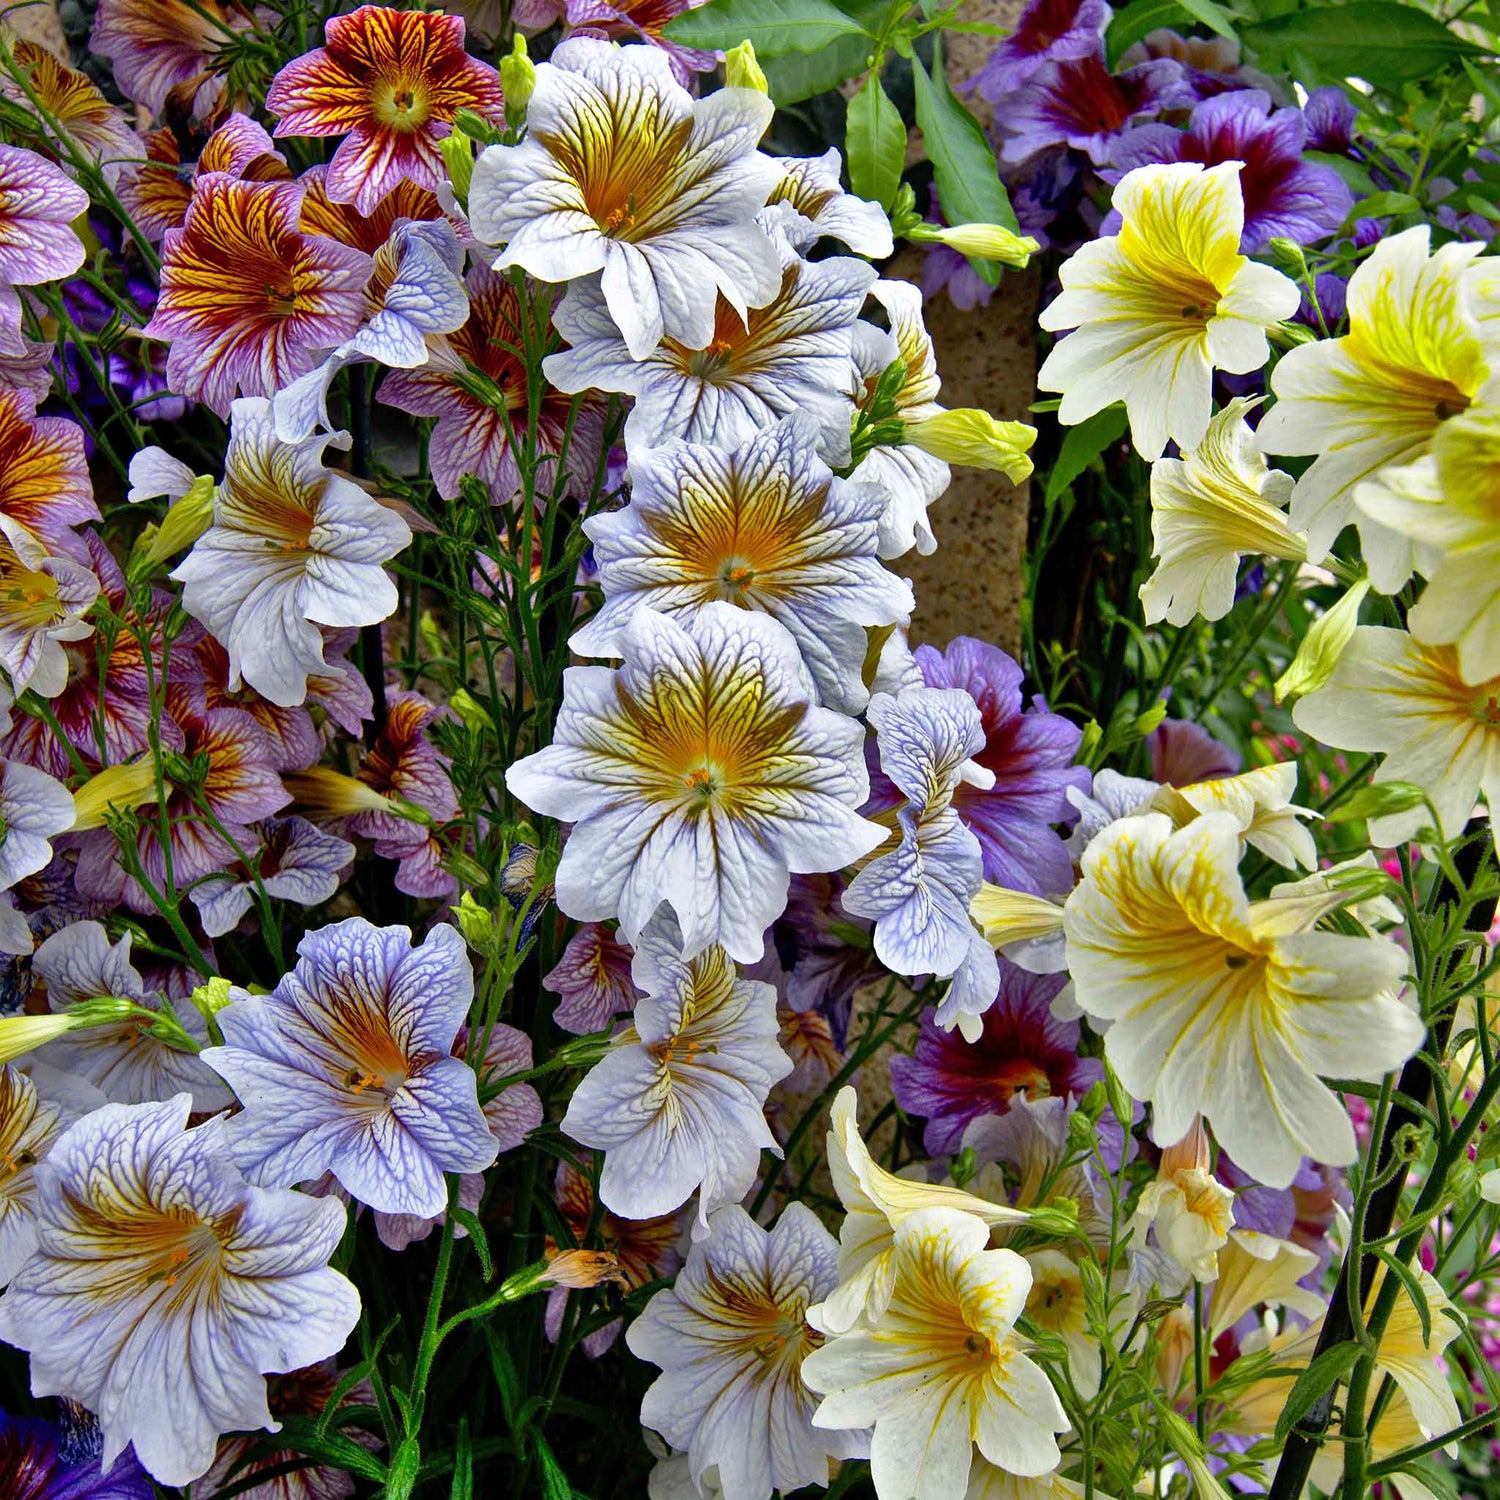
(1356, 176)
(301, 1435)
(801, 75)
(774, 27)
(1382, 42)
(968, 181)
(875, 143)
(555, 1484)
(1082, 445)
(1320, 1377)
(1408, 1279)
(478, 1239)
(1383, 206)
(1139, 19)
(463, 1465)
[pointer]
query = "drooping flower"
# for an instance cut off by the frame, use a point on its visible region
(1156, 309)
(160, 1268)
(160, 46)
(1415, 354)
(293, 546)
(1023, 1049)
(41, 1461)
(72, 110)
(1190, 1210)
(45, 489)
(38, 203)
(43, 600)
(295, 861)
(1046, 31)
(1223, 1009)
(698, 773)
(1392, 695)
(248, 301)
(623, 172)
(677, 1105)
(942, 1368)
(591, 980)
(347, 1067)
(390, 82)
(810, 187)
(645, 20)
(765, 527)
(34, 809)
(731, 1335)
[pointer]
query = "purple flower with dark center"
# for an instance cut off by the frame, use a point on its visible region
(1210, 64)
(41, 1461)
(1184, 753)
(1031, 753)
(1285, 196)
(1047, 31)
(1023, 1049)
(1330, 115)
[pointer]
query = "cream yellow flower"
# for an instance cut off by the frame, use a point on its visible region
(1260, 801)
(1058, 1305)
(1159, 307)
(1191, 1211)
(1259, 1270)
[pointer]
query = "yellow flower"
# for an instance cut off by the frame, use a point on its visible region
(978, 241)
(1259, 1270)
(1159, 307)
(1190, 1209)
(115, 788)
(1260, 801)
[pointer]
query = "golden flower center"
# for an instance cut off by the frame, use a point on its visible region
(1484, 704)
(1021, 1076)
(27, 598)
(402, 104)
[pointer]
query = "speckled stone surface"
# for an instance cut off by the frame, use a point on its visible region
(36, 21)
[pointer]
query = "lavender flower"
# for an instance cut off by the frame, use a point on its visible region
(1046, 31)
(34, 809)
(591, 980)
(297, 861)
(41, 1461)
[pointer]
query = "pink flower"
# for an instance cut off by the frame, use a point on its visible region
(157, 46)
(38, 203)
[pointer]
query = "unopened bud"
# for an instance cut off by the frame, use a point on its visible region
(1058, 1218)
(22, 1034)
(1384, 799)
(978, 241)
(977, 440)
(457, 151)
(517, 81)
(965, 1165)
(478, 925)
(1006, 916)
(211, 997)
(331, 794)
(1322, 646)
(580, 1269)
(466, 706)
(114, 789)
(742, 71)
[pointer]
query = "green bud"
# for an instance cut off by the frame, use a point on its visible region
(517, 81)
(1058, 1218)
(466, 706)
(1382, 799)
(965, 1165)
(1080, 1133)
(742, 71)
(457, 151)
(1093, 1102)
(1288, 255)
(976, 439)
(977, 241)
(211, 996)
(1144, 724)
(1121, 1105)
(479, 927)
(1322, 646)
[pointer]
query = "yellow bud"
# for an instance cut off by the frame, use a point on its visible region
(477, 923)
(466, 706)
(115, 788)
(211, 996)
(580, 1269)
(457, 151)
(21, 1034)
(334, 795)
(975, 439)
(517, 80)
(1005, 916)
(187, 520)
(742, 71)
(1322, 646)
(979, 241)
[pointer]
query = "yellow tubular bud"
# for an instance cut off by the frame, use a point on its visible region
(976, 440)
(334, 795)
(185, 522)
(457, 151)
(1322, 646)
(118, 788)
(1005, 916)
(742, 71)
(986, 242)
(22, 1034)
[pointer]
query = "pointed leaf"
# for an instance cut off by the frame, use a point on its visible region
(876, 144)
(773, 27)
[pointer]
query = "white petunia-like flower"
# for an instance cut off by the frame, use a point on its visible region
(1218, 503)
(293, 546)
(1415, 355)
(731, 1336)
(43, 601)
(678, 1104)
(942, 1369)
(1224, 1009)
(1156, 309)
(1392, 695)
(698, 773)
(918, 894)
(164, 1288)
(1260, 801)
(766, 527)
(811, 189)
(34, 809)
(624, 174)
(791, 353)
(1190, 1209)
(296, 861)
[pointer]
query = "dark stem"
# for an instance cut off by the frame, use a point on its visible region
(371, 638)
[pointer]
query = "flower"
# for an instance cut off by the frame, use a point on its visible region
(72, 110)
(42, 1461)
(1285, 196)
(293, 546)
(29, 1128)
(765, 527)
(942, 1369)
(347, 1067)
(160, 1268)
(623, 172)
(34, 809)
(43, 601)
(1223, 1009)
(698, 773)
(247, 300)
(1216, 504)
(1190, 1210)
(161, 46)
(1415, 354)
(1159, 307)
(731, 1336)
(1260, 801)
(1046, 31)
(295, 861)
(390, 82)
(38, 203)
(1392, 695)
(646, 20)
(1183, 753)
(1058, 1304)
(1022, 1049)
(677, 1105)
(591, 980)
(811, 189)
(45, 488)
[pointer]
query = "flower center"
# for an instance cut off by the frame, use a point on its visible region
(362, 1081)
(401, 104)
(176, 1251)
(735, 577)
(703, 783)
(1021, 1076)
(1484, 705)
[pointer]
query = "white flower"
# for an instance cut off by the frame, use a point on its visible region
(810, 188)
(43, 601)
(164, 1287)
(1260, 801)
(29, 1128)
(1190, 1209)
(34, 809)
(624, 173)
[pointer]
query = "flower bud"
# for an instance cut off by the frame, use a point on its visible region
(1322, 646)
(742, 71)
(477, 923)
(1489, 1186)
(581, 1269)
(211, 997)
(1384, 799)
(457, 151)
(1006, 916)
(466, 706)
(974, 438)
(184, 523)
(517, 81)
(113, 789)
(22, 1034)
(978, 241)
(331, 794)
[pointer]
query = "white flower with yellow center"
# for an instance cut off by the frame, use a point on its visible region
(164, 1288)
(986, 1482)
(1415, 355)
(731, 1335)
(1261, 803)
(1156, 309)
(1390, 694)
(43, 601)
(293, 546)
(1448, 504)
(1259, 1270)
(942, 1369)
(29, 1127)
(701, 774)
(624, 173)
(1218, 503)
(1058, 1305)
(1191, 1211)
(814, 198)
(766, 527)
(1224, 1009)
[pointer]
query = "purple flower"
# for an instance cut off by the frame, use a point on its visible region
(591, 980)
(1210, 64)
(1031, 754)
(1184, 753)
(297, 862)
(41, 1461)
(348, 1066)
(1330, 115)
(1284, 196)
(1265, 1210)
(1023, 1049)
(623, 20)
(1047, 31)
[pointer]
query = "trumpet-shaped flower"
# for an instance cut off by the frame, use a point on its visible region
(159, 1268)
(766, 527)
(678, 1105)
(293, 546)
(347, 1067)
(591, 980)
(698, 773)
(624, 173)
(731, 1336)
(34, 809)
(1261, 1270)
(1156, 309)
(248, 302)
(811, 189)
(1223, 1009)
(790, 353)
(943, 1368)
(1392, 695)
(1058, 1304)
(390, 82)
(43, 600)
(1191, 1211)
(1218, 503)
(1415, 355)
(45, 488)
(296, 861)
(1260, 801)
(161, 46)
(1045, 31)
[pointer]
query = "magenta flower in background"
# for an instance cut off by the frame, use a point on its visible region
(1046, 31)
(1023, 1049)
(591, 980)
(1031, 753)
(1184, 753)
(627, 20)
(38, 203)
(41, 1461)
